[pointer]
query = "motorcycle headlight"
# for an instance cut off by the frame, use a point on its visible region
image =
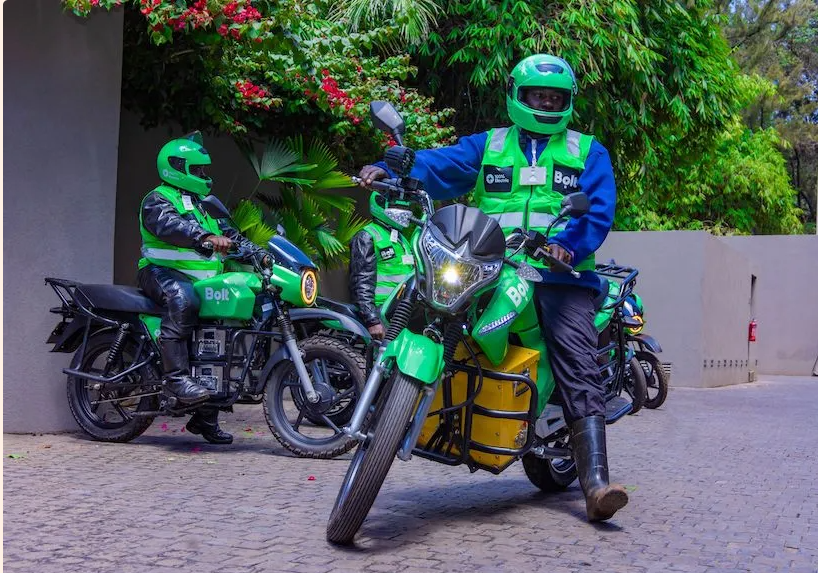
(450, 276)
(309, 286)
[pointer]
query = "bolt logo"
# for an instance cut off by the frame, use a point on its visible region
(517, 293)
(217, 295)
(565, 180)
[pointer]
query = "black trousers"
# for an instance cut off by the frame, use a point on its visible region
(174, 291)
(567, 323)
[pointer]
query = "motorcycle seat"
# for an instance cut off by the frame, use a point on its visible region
(119, 298)
(344, 308)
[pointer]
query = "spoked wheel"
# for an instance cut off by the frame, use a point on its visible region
(550, 475)
(635, 385)
(314, 430)
(106, 411)
(372, 461)
(657, 386)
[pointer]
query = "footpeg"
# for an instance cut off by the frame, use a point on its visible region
(616, 408)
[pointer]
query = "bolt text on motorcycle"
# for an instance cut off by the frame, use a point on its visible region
(217, 295)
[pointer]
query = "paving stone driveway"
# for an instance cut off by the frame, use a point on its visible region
(721, 480)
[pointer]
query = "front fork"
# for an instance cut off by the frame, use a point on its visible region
(371, 387)
(290, 343)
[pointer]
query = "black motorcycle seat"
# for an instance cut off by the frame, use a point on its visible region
(344, 308)
(119, 298)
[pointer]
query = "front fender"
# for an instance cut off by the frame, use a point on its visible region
(416, 356)
(647, 341)
(316, 314)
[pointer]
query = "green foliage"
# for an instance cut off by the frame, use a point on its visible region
(270, 67)
(319, 222)
(738, 185)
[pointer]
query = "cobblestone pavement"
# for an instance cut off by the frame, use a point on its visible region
(720, 480)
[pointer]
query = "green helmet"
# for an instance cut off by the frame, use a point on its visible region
(541, 71)
(181, 163)
(378, 206)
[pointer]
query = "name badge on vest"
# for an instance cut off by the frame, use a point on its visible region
(407, 260)
(187, 202)
(393, 236)
(387, 253)
(497, 179)
(532, 176)
(566, 179)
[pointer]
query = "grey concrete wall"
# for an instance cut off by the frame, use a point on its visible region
(786, 300)
(725, 291)
(233, 178)
(61, 94)
(671, 266)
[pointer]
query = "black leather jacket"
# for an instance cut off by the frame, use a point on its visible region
(363, 274)
(161, 219)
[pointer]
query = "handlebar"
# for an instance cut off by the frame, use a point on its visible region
(396, 187)
(538, 248)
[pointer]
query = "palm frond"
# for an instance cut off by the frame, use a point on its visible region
(246, 215)
(416, 18)
(349, 224)
(330, 201)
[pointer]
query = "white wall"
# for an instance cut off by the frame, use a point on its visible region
(61, 94)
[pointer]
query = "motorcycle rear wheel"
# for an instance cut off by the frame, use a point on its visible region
(107, 414)
(372, 461)
(657, 386)
(550, 475)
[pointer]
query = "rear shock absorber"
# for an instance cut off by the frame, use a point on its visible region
(115, 352)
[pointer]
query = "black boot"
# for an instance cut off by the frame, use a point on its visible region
(204, 421)
(178, 383)
(602, 500)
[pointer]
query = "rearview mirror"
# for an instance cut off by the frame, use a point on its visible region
(386, 118)
(281, 231)
(215, 208)
(575, 204)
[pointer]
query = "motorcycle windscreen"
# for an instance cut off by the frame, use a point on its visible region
(288, 255)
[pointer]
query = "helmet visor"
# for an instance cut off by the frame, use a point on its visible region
(198, 171)
(545, 99)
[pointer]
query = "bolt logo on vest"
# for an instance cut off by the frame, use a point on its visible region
(566, 179)
(387, 253)
(217, 295)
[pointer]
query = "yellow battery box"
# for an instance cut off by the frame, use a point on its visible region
(494, 395)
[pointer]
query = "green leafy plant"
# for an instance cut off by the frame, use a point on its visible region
(306, 204)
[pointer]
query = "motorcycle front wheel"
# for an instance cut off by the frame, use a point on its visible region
(107, 412)
(314, 430)
(372, 461)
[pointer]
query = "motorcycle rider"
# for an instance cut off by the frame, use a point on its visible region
(174, 225)
(519, 175)
(380, 258)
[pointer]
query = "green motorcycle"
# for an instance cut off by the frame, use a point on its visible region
(429, 393)
(250, 342)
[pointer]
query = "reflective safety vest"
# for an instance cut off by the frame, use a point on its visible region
(188, 261)
(394, 259)
(501, 193)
